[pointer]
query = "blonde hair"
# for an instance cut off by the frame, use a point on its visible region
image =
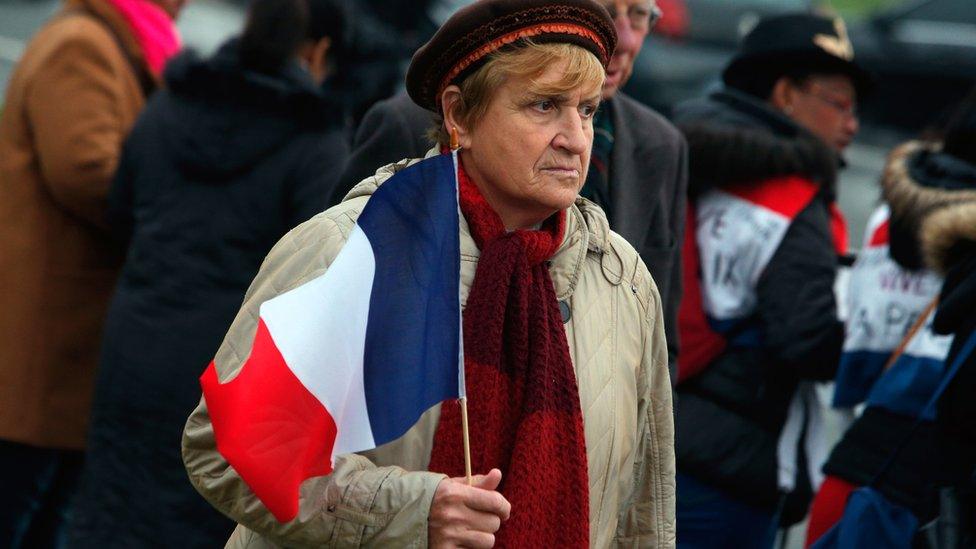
(530, 60)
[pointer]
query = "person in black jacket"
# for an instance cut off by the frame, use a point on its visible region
(759, 320)
(638, 169)
(236, 151)
(928, 187)
(949, 239)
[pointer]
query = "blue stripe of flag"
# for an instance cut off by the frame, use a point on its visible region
(412, 336)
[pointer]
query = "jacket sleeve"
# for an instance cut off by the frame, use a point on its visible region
(359, 504)
(647, 518)
(796, 300)
(74, 111)
(679, 210)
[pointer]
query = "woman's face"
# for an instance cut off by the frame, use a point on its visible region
(530, 152)
(826, 105)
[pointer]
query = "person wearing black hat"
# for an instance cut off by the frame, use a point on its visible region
(762, 248)
(639, 162)
(565, 359)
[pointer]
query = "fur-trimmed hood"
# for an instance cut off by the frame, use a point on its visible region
(735, 139)
(944, 230)
(933, 195)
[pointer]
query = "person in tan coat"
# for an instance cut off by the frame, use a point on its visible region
(570, 398)
(71, 101)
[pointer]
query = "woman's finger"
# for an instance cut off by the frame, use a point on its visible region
(477, 540)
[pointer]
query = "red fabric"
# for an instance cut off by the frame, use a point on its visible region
(881, 235)
(828, 507)
(154, 29)
(838, 227)
(786, 195)
(523, 401)
(700, 345)
(269, 427)
(674, 18)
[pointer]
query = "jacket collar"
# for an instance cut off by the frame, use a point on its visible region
(757, 113)
(120, 29)
(949, 244)
(735, 139)
(934, 195)
(289, 92)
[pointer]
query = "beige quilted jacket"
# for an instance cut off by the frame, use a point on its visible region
(382, 498)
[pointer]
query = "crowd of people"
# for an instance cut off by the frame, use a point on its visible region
(652, 306)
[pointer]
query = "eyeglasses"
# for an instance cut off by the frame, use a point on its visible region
(642, 17)
(847, 107)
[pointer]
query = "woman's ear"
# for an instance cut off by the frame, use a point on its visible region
(450, 101)
(316, 55)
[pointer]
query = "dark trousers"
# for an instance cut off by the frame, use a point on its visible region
(710, 519)
(36, 489)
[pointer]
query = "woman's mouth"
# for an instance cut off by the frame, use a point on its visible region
(562, 171)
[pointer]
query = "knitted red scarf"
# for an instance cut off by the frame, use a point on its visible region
(523, 401)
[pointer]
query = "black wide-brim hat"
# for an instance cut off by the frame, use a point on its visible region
(465, 42)
(784, 43)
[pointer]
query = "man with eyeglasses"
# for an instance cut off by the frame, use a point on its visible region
(638, 167)
(760, 320)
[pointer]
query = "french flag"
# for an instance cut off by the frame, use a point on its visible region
(351, 359)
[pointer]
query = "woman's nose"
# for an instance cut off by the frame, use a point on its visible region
(572, 136)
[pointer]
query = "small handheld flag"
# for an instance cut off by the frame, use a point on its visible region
(351, 359)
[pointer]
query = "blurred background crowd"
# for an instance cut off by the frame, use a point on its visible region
(352, 54)
(924, 53)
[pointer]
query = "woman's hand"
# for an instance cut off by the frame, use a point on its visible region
(467, 516)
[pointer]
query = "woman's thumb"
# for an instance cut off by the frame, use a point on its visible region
(489, 481)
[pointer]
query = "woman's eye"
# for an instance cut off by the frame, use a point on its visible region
(588, 111)
(545, 105)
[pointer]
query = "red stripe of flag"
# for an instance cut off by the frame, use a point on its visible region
(269, 427)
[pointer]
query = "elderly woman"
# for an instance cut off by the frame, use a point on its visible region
(575, 418)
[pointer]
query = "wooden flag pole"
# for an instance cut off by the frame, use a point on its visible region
(464, 435)
(455, 146)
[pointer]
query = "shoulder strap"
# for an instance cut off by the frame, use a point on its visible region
(919, 322)
(964, 352)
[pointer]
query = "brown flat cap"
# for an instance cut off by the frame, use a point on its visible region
(465, 41)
